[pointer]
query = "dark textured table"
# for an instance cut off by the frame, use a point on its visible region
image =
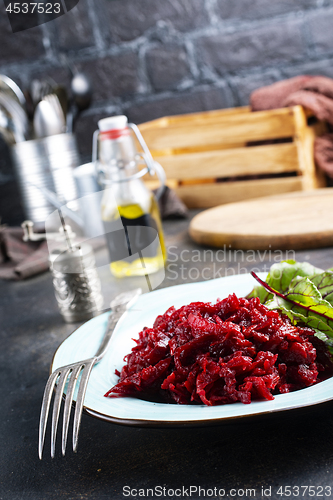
(291, 449)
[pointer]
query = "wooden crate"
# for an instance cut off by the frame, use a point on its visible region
(208, 159)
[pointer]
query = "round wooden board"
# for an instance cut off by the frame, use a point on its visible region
(303, 219)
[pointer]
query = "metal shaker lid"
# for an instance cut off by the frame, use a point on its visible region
(67, 261)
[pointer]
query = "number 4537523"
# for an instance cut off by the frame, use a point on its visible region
(31, 7)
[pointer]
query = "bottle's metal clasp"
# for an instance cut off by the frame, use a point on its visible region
(152, 167)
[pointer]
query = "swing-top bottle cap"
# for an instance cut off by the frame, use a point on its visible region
(113, 123)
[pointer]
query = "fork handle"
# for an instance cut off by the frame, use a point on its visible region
(112, 322)
(119, 306)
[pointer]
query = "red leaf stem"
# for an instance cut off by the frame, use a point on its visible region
(297, 304)
(268, 288)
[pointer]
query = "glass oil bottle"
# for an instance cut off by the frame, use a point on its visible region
(129, 210)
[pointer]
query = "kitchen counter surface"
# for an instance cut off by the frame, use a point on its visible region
(116, 462)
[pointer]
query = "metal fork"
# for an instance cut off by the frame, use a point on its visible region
(59, 377)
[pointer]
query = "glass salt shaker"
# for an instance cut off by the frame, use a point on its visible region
(76, 283)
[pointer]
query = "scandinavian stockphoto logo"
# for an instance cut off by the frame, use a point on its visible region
(24, 14)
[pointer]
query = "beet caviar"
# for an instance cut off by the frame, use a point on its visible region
(214, 354)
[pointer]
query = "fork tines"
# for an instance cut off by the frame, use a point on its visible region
(58, 381)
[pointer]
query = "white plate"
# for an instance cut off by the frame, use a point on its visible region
(83, 343)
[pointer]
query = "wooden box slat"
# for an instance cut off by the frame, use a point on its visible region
(232, 128)
(210, 194)
(231, 162)
(203, 117)
(198, 148)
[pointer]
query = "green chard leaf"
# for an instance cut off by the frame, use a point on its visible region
(324, 283)
(327, 340)
(280, 276)
(261, 292)
(302, 303)
(283, 273)
(315, 322)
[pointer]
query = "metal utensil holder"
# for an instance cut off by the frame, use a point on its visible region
(44, 171)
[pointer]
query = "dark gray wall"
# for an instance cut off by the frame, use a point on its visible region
(149, 58)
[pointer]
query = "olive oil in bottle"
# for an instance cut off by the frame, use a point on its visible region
(130, 212)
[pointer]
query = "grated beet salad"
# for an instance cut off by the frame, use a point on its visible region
(234, 350)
